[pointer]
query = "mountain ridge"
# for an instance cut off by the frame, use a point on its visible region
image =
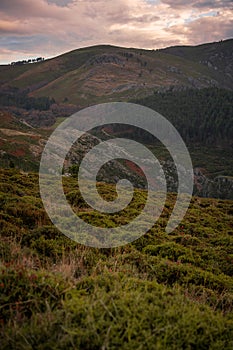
(120, 73)
(180, 80)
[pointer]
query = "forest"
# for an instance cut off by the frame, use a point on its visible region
(201, 116)
(12, 96)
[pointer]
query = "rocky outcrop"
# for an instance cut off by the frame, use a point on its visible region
(103, 59)
(218, 187)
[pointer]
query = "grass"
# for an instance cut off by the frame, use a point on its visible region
(74, 77)
(79, 88)
(164, 291)
(59, 120)
(213, 160)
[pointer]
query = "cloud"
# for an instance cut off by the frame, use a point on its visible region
(214, 4)
(61, 3)
(30, 9)
(209, 4)
(10, 27)
(56, 26)
(205, 29)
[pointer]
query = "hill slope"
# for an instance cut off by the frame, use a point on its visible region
(182, 83)
(164, 291)
(105, 73)
(217, 56)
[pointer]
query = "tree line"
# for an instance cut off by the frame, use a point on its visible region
(30, 60)
(19, 98)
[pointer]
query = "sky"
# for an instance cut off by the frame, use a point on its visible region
(47, 28)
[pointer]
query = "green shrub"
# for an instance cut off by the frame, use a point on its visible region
(114, 312)
(25, 292)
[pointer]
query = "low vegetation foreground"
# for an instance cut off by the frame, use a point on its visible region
(164, 291)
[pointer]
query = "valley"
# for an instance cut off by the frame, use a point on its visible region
(164, 290)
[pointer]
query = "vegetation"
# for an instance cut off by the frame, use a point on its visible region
(19, 98)
(216, 56)
(30, 60)
(161, 292)
(201, 116)
(164, 291)
(80, 77)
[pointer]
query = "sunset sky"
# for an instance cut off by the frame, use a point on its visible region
(47, 28)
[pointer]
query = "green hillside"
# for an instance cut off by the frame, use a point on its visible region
(217, 56)
(164, 291)
(21, 144)
(161, 292)
(107, 73)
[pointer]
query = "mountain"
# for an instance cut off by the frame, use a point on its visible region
(217, 56)
(191, 86)
(106, 73)
(162, 291)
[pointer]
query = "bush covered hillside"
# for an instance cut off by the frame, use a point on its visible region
(164, 291)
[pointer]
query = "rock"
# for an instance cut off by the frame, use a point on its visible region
(104, 59)
(174, 70)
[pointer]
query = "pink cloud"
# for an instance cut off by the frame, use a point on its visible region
(56, 29)
(205, 29)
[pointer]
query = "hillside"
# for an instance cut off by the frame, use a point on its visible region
(217, 56)
(106, 73)
(190, 86)
(21, 144)
(201, 116)
(164, 291)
